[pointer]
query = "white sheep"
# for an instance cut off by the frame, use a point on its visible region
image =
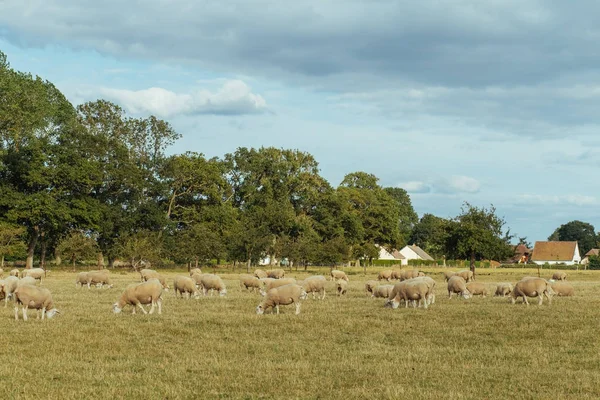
(386, 274)
(99, 278)
(559, 276)
(336, 274)
(276, 283)
(36, 273)
(410, 274)
(136, 294)
(448, 275)
(415, 290)
(283, 295)
(259, 273)
(532, 287)
(382, 291)
(503, 289)
(8, 286)
(14, 272)
(212, 282)
(147, 274)
(457, 284)
(562, 288)
(185, 284)
(276, 273)
(81, 279)
(195, 271)
(477, 289)
(29, 296)
(431, 283)
(341, 287)
(466, 274)
(370, 285)
(315, 285)
(250, 282)
(28, 280)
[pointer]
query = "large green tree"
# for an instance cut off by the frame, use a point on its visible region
(430, 234)
(581, 232)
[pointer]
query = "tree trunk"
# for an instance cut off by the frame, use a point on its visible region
(31, 249)
(473, 264)
(197, 263)
(248, 266)
(2, 262)
(73, 259)
(111, 262)
(43, 255)
(100, 260)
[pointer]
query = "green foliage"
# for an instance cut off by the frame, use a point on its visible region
(76, 246)
(581, 232)
(430, 234)
(594, 263)
(11, 240)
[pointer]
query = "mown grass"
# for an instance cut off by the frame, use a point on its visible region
(348, 347)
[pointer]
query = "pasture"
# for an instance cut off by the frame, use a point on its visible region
(341, 347)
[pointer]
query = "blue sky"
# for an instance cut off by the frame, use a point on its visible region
(481, 101)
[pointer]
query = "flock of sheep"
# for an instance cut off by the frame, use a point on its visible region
(413, 287)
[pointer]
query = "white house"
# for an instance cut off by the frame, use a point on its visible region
(394, 255)
(414, 252)
(556, 253)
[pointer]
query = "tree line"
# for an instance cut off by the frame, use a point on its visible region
(91, 181)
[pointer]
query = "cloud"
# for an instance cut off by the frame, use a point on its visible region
(233, 98)
(463, 184)
(415, 187)
(452, 185)
(571, 199)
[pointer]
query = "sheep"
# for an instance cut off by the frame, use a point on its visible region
(559, 276)
(99, 278)
(382, 291)
(185, 284)
(370, 285)
(259, 273)
(341, 287)
(415, 290)
(431, 283)
(448, 275)
(458, 285)
(385, 275)
(28, 280)
(14, 272)
(8, 287)
(410, 274)
(283, 295)
(395, 274)
(503, 289)
(36, 273)
(477, 289)
(195, 271)
(147, 274)
(197, 278)
(562, 288)
(336, 274)
(212, 282)
(250, 282)
(81, 279)
(276, 273)
(466, 274)
(315, 284)
(276, 283)
(266, 281)
(29, 296)
(532, 287)
(136, 294)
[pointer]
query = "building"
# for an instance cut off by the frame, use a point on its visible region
(586, 258)
(521, 255)
(556, 253)
(394, 255)
(414, 252)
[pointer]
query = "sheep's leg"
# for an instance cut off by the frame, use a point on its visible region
(323, 297)
(142, 308)
(43, 313)
(152, 307)
(16, 312)
(297, 308)
(540, 299)
(159, 303)
(6, 301)
(449, 294)
(24, 311)
(277, 309)
(525, 300)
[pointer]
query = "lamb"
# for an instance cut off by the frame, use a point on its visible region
(562, 288)
(36, 273)
(136, 294)
(341, 287)
(477, 289)
(336, 274)
(382, 291)
(185, 284)
(466, 274)
(250, 282)
(503, 289)
(559, 276)
(315, 284)
(532, 287)
(410, 274)
(29, 296)
(458, 285)
(276, 273)
(99, 278)
(195, 271)
(147, 274)
(448, 275)
(415, 290)
(386, 274)
(14, 272)
(369, 286)
(212, 282)
(8, 287)
(81, 279)
(259, 273)
(283, 295)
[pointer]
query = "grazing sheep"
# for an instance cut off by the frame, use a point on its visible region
(276, 273)
(99, 278)
(562, 288)
(136, 294)
(431, 283)
(466, 274)
(195, 271)
(14, 272)
(341, 287)
(410, 274)
(81, 279)
(448, 275)
(276, 283)
(415, 290)
(559, 276)
(197, 278)
(35, 273)
(147, 274)
(315, 285)
(266, 281)
(211, 282)
(477, 289)
(336, 274)
(250, 282)
(396, 274)
(386, 274)
(369, 286)
(28, 280)
(532, 287)
(8, 287)
(382, 291)
(283, 295)
(503, 289)
(185, 284)
(458, 285)
(259, 273)
(29, 296)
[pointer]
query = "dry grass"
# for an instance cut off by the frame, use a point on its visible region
(348, 347)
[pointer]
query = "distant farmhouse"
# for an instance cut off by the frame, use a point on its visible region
(586, 258)
(556, 253)
(394, 255)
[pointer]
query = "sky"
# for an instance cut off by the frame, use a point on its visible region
(484, 101)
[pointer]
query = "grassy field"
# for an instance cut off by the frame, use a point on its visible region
(349, 347)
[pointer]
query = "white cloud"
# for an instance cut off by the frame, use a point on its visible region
(466, 184)
(233, 98)
(569, 199)
(415, 187)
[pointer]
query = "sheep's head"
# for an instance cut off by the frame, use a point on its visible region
(223, 292)
(391, 304)
(466, 294)
(260, 310)
(116, 308)
(303, 295)
(52, 313)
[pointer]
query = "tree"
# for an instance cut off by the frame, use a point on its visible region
(76, 246)
(430, 234)
(11, 241)
(477, 233)
(581, 232)
(139, 248)
(408, 218)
